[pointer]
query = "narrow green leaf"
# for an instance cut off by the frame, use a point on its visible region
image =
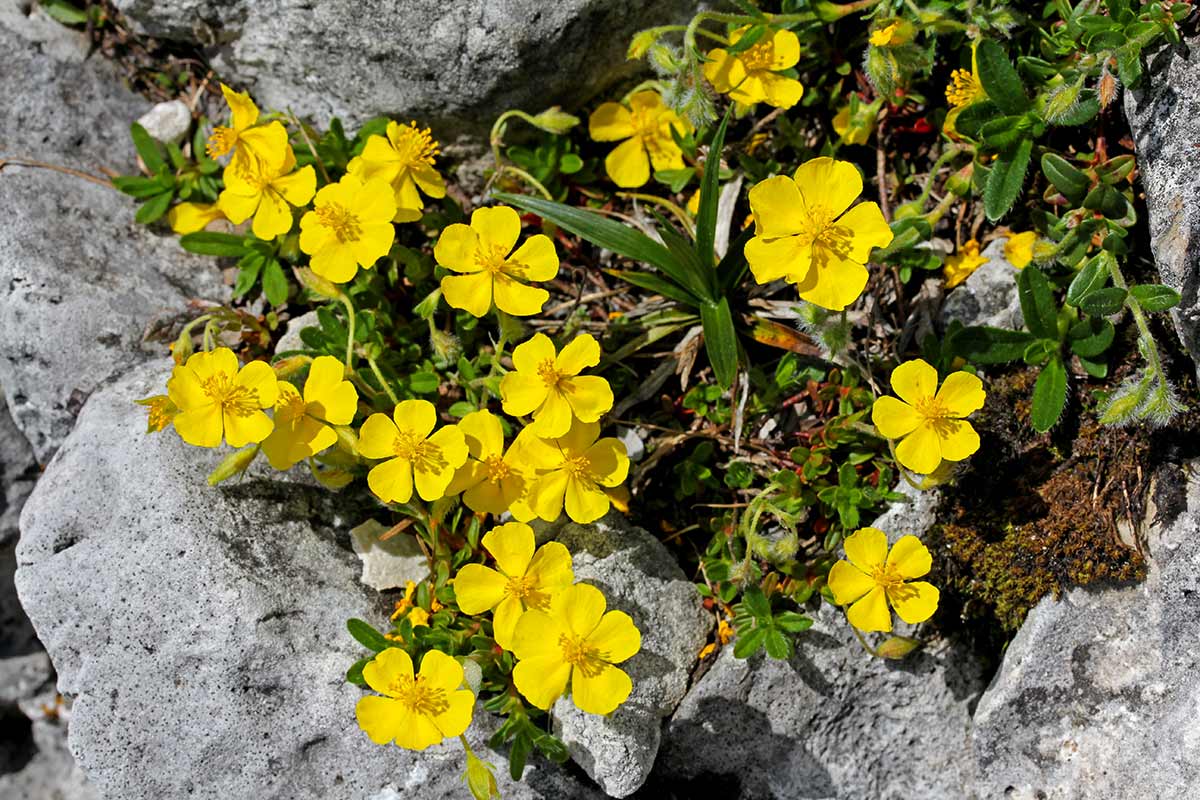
(1005, 181)
(1093, 276)
(980, 345)
(249, 269)
(211, 243)
(1091, 337)
(367, 636)
(706, 217)
(748, 40)
(1107, 200)
(1155, 296)
(354, 674)
(792, 622)
(63, 12)
(154, 208)
(1037, 303)
(137, 186)
(1049, 396)
(720, 340)
(522, 745)
(1069, 181)
(700, 278)
(1103, 302)
(147, 148)
(1000, 80)
(652, 283)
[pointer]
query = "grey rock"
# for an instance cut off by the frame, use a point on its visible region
(47, 770)
(29, 22)
(80, 281)
(201, 632)
(390, 563)
(640, 577)
(1097, 694)
(1163, 113)
(167, 122)
(455, 64)
(291, 337)
(989, 294)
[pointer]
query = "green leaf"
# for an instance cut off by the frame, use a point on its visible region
(367, 636)
(249, 269)
(211, 243)
(779, 646)
(1091, 337)
(1129, 65)
(720, 340)
(748, 643)
(63, 12)
(1037, 303)
(153, 208)
(748, 40)
(354, 674)
(706, 217)
(522, 746)
(1002, 133)
(424, 382)
(1084, 110)
(792, 622)
(274, 282)
(652, 283)
(1093, 276)
(137, 186)
(1107, 200)
(971, 119)
(1103, 302)
(700, 278)
(1000, 80)
(1005, 181)
(1049, 396)
(1069, 181)
(1155, 296)
(552, 748)
(147, 148)
(757, 603)
(602, 232)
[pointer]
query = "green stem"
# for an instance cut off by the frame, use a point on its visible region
(525, 176)
(678, 212)
(350, 327)
(208, 335)
(1150, 351)
(937, 166)
(862, 640)
(382, 382)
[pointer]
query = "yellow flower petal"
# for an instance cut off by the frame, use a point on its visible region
(589, 396)
(1019, 248)
(535, 260)
(329, 395)
(299, 187)
(848, 583)
(582, 352)
(553, 417)
(723, 71)
(961, 394)
(915, 602)
(484, 434)
(250, 429)
(832, 282)
(440, 671)
(382, 718)
(373, 244)
(471, 293)
(778, 208)
(392, 481)
(541, 680)
(608, 463)
(456, 248)
(628, 165)
(894, 418)
(386, 668)
(871, 612)
(530, 354)
(536, 636)
(551, 567)
(785, 49)
(866, 229)
(610, 122)
(600, 693)
(377, 437)
(273, 218)
(445, 451)
(580, 606)
(914, 381)
(478, 588)
(780, 91)
(789, 258)
(866, 548)
(504, 620)
(498, 228)
(958, 440)
(828, 184)
(457, 718)
(921, 450)
(242, 110)
(416, 417)
(909, 557)
(419, 734)
(547, 495)
(584, 501)
(511, 545)
(616, 636)
(514, 297)
(192, 217)
(200, 427)
(521, 394)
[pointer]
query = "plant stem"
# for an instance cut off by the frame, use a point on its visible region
(350, 326)
(1150, 351)
(862, 640)
(678, 212)
(382, 382)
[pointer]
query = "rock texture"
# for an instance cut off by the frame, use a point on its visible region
(455, 64)
(1097, 695)
(989, 294)
(1163, 113)
(80, 281)
(638, 576)
(201, 631)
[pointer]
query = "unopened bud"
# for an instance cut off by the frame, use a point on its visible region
(555, 120)
(959, 183)
(235, 463)
(663, 59)
(334, 479)
(181, 348)
(641, 43)
(446, 346)
(1061, 100)
(318, 285)
(286, 367)
(897, 647)
(480, 779)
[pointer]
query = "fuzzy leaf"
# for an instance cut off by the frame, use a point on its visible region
(1037, 303)
(1155, 296)
(1000, 80)
(1069, 181)
(1049, 396)
(1103, 302)
(1005, 181)
(367, 636)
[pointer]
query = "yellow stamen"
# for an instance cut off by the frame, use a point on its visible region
(341, 221)
(231, 397)
(491, 259)
(221, 141)
(498, 470)
(585, 657)
(414, 146)
(418, 697)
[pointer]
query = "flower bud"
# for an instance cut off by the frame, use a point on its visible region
(318, 285)
(286, 367)
(663, 60)
(897, 647)
(555, 120)
(182, 347)
(235, 463)
(480, 780)
(641, 43)
(959, 183)
(446, 346)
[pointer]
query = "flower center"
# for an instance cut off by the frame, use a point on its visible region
(549, 375)
(409, 446)
(419, 698)
(221, 141)
(819, 230)
(525, 589)
(497, 469)
(964, 88)
(578, 467)
(584, 657)
(758, 56)
(886, 576)
(491, 259)
(932, 409)
(291, 406)
(231, 397)
(337, 218)
(415, 146)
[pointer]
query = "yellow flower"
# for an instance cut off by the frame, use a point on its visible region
(964, 87)
(490, 481)
(215, 399)
(403, 158)
(524, 579)
(752, 76)
(161, 412)
(1019, 248)
(872, 578)
(350, 226)
(693, 203)
(931, 426)
(302, 424)
(574, 470)
(800, 237)
(418, 617)
(484, 252)
(548, 385)
(960, 265)
(406, 602)
(646, 128)
(859, 134)
(415, 711)
(191, 217)
(249, 141)
(575, 642)
(884, 36)
(413, 455)
(267, 193)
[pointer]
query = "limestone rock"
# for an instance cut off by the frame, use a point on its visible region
(80, 281)
(167, 122)
(454, 64)
(1097, 694)
(201, 632)
(1164, 112)
(390, 563)
(640, 577)
(989, 294)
